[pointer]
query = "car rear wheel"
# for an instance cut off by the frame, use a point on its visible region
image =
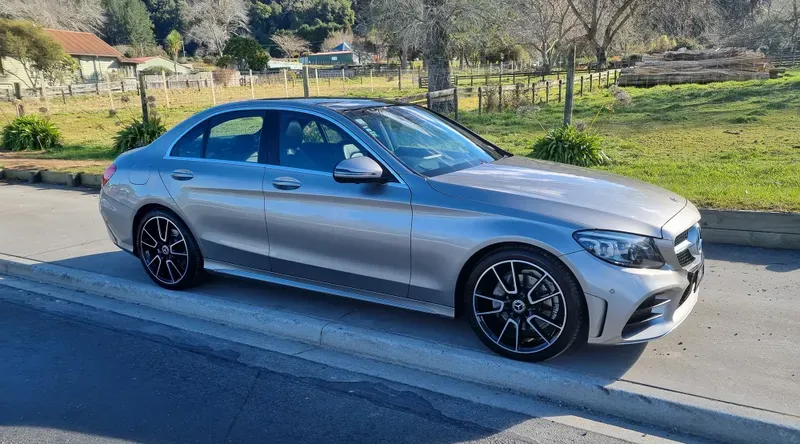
(524, 304)
(168, 251)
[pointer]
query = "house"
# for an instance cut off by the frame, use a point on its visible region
(340, 55)
(144, 63)
(96, 59)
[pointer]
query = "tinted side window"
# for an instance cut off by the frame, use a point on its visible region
(191, 144)
(311, 143)
(235, 136)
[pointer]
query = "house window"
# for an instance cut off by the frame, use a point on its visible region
(334, 58)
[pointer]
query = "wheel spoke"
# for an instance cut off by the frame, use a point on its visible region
(533, 326)
(545, 298)
(547, 321)
(494, 310)
(171, 277)
(158, 270)
(505, 327)
(155, 242)
(162, 235)
(170, 262)
(535, 286)
(502, 282)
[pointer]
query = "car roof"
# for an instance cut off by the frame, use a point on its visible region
(338, 104)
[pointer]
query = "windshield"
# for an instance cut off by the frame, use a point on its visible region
(423, 141)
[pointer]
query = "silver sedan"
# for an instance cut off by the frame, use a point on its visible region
(397, 205)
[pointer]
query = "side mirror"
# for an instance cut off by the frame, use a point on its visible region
(358, 170)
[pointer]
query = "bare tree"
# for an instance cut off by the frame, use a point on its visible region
(335, 39)
(602, 21)
(429, 25)
(212, 22)
(542, 25)
(290, 44)
(75, 15)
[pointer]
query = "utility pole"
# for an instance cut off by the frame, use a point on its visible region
(570, 87)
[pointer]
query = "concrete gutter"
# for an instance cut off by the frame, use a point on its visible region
(666, 409)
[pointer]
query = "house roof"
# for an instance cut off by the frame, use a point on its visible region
(84, 44)
(342, 47)
(330, 53)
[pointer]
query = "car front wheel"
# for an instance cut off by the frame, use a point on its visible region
(168, 251)
(525, 304)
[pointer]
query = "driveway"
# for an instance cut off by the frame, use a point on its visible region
(739, 346)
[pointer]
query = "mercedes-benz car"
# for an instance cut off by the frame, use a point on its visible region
(395, 204)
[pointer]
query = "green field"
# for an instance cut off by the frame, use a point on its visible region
(724, 145)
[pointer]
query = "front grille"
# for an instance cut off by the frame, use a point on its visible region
(685, 258)
(681, 237)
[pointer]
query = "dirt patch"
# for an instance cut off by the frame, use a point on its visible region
(9, 160)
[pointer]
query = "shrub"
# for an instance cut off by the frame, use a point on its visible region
(139, 133)
(568, 145)
(156, 70)
(31, 133)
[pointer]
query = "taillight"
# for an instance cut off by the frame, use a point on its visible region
(107, 174)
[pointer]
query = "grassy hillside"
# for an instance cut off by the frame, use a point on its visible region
(723, 145)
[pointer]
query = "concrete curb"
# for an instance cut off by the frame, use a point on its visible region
(52, 177)
(666, 409)
(752, 228)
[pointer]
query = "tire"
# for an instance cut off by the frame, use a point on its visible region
(540, 317)
(174, 263)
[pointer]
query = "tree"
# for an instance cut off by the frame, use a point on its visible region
(290, 44)
(212, 22)
(246, 53)
(429, 25)
(602, 21)
(76, 15)
(128, 22)
(312, 20)
(38, 53)
(167, 16)
(542, 25)
(173, 44)
(335, 39)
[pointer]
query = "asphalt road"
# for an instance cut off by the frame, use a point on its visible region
(738, 346)
(72, 374)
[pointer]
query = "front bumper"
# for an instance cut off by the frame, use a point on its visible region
(618, 298)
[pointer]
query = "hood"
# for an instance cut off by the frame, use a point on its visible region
(588, 198)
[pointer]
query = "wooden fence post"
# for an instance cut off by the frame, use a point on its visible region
(143, 97)
(400, 79)
(455, 103)
(428, 100)
(570, 87)
(547, 92)
(608, 78)
(480, 99)
(253, 88)
(500, 97)
(581, 85)
(590, 82)
(371, 82)
(560, 83)
(111, 95)
(164, 79)
(285, 83)
(97, 86)
(122, 85)
(533, 94)
(213, 91)
(344, 82)
(599, 78)
(63, 96)
(69, 88)
(316, 77)
(306, 91)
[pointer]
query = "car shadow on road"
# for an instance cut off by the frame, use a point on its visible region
(45, 186)
(779, 261)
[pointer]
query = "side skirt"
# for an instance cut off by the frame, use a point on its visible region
(346, 292)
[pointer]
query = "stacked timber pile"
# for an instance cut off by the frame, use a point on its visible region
(702, 66)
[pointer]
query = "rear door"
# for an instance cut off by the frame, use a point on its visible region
(214, 172)
(353, 235)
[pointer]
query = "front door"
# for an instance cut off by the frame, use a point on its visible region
(353, 235)
(215, 174)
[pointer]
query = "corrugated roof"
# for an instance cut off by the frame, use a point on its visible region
(330, 53)
(83, 43)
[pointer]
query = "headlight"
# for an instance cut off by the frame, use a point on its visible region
(623, 249)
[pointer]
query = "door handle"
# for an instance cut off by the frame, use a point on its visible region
(286, 183)
(182, 175)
